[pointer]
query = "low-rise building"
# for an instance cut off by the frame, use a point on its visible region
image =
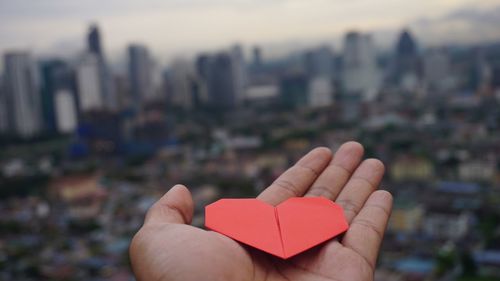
(83, 195)
(406, 217)
(477, 170)
(410, 168)
(446, 224)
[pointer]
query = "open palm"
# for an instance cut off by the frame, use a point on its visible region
(168, 248)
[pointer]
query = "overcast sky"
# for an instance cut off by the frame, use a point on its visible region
(172, 27)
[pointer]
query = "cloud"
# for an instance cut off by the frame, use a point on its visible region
(467, 25)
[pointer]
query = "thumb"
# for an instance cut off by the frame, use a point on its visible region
(176, 206)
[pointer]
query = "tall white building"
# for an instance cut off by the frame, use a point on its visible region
(320, 92)
(360, 74)
(158, 80)
(239, 72)
(22, 96)
(66, 116)
(88, 83)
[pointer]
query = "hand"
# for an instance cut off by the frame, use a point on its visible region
(168, 248)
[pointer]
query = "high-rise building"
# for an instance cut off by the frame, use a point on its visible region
(217, 79)
(122, 89)
(140, 74)
(406, 61)
(294, 90)
(495, 83)
(320, 92)
(483, 72)
(3, 108)
(406, 46)
(221, 83)
(239, 73)
(94, 41)
(94, 46)
(257, 57)
(180, 77)
(202, 66)
(22, 95)
(87, 77)
(158, 82)
(436, 70)
(66, 113)
(320, 62)
(360, 76)
(48, 110)
(56, 75)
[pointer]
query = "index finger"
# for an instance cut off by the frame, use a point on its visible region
(296, 181)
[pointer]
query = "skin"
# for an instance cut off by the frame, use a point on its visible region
(168, 248)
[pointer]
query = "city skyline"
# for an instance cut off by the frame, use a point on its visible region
(93, 133)
(57, 27)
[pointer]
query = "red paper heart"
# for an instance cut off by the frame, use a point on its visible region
(290, 228)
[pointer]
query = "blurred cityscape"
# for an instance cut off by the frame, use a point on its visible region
(85, 149)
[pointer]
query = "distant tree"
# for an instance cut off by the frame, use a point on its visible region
(487, 225)
(445, 261)
(469, 267)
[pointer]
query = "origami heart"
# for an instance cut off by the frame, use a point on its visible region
(290, 228)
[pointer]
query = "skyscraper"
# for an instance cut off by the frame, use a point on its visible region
(94, 41)
(3, 108)
(406, 58)
(320, 92)
(360, 77)
(87, 77)
(66, 113)
(217, 78)
(294, 90)
(122, 90)
(202, 65)
(319, 62)
(94, 47)
(140, 74)
(406, 46)
(239, 72)
(22, 96)
(202, 68)
(436, 70)
(257, 57)
(221, 82)
(180, 78)
(56, 75)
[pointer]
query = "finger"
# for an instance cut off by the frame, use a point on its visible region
(176, 206)
(296, 180)
(366, 232)
(334, 177)
(362, 183)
